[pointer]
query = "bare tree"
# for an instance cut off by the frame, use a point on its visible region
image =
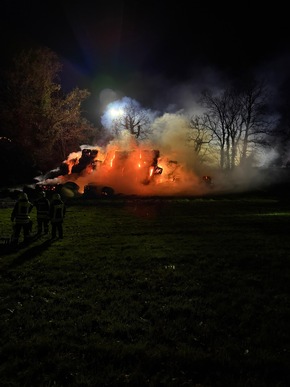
(281, 133)
(133, 119)
(200, 137)
(256, 123)
(281, 140)
(237, 120)
(217, 120)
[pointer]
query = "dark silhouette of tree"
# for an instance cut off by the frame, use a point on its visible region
(257, 124)
(133, 119)
(36, 114)
(281, 134)
(236, 123)
(281, 139)
(199, 137)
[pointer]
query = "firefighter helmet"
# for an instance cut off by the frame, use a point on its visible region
(56, 196)
(23, 196)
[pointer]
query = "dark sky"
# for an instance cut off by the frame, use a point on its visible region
(150, 50)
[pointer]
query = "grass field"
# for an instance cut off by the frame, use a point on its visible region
(151, 292)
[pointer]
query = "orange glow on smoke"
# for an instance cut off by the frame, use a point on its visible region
(138, 170)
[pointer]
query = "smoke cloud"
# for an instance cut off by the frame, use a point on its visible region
(131, 167)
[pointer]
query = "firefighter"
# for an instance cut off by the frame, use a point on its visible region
(57, 214)
(20, 214)
(42, 207)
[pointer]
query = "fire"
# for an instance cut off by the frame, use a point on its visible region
(112, 161)
(138, 170)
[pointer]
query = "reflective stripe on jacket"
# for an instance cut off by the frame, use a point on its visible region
(22, 211)
(43, 209)
(57, 212)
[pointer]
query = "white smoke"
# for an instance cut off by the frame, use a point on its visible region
(182, 169)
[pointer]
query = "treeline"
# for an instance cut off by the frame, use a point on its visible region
(40, 124)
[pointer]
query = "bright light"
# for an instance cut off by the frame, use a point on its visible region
(116, 112)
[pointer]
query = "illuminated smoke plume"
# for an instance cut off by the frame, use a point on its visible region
(129, 169)
(164, 164)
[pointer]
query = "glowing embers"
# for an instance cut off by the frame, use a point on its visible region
(86, 161)
(207, 180)
(138, 164)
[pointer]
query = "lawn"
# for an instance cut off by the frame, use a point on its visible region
(151, 292)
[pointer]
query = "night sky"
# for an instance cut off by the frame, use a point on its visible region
(154, 52)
